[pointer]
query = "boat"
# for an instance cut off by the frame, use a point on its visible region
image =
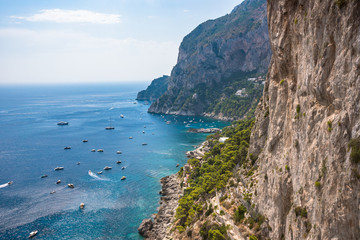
(144, 126)
(177, 165)
(33, 233)
(122, 168)
(107, 168)
(144, 144)
(93, 150)
(82, 205)
(143, 131)
(78, 163)
(58, 181)
(100, 150)
(84, 141)
(110, 127)
(168, 122)
(118, 152)
(99, 172)
(62, 123)
(11, 182)
(123, 178)
(67, 148)
(122, 116)
(70, 185)
(58, 168)
(52, 192)
(130, 137)
(44, 176)
(118, 162)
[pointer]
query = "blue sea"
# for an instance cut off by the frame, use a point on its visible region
(32, 145)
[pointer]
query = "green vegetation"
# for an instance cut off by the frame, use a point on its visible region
(340, 3)
(157, 88)
(295, 21)
(239, 214)
(282, 81)
(329, 124)
(287, 168)
(212, 231)
(214, 171)
(354, 144)
(297, 116)
(299, 211)
(252, 237)
(317, 184)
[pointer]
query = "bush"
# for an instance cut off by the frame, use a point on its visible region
(282, 81)
(216, 235)
(287, 168)
(253, 237)
(240, 213)
(189, 233)
(329, 123)
(354, 144)
(317, 184)
(340, 3)
(222, 213)
(299, 211)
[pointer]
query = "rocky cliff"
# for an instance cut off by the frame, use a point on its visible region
(211, 55)
(155, 90)
(308, 173)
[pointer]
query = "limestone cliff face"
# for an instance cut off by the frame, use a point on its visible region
(157, 88)
(308, 187)
(216, 49)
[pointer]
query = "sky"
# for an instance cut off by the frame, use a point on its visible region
(96, 41)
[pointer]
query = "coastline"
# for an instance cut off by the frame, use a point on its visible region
(159, 226)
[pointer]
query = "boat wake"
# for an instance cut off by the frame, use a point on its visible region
(93, 175)
(4, 185)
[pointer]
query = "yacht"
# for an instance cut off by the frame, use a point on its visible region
(122, 116)
(123, 178)
(118, 162)
(130, 137)
(110, 127)
(62, 123)
(70, 185)
(33, 233)
(58, 168)
(107, 168)
(82, 205)
(144, 144)
(99, 172)
(118, 152)
(44, 176)
(84, 141)
(58, 181)
(67, 148)
(100, 150)
(11, 182)
(52, 192)
(93, 150)
(122, 168)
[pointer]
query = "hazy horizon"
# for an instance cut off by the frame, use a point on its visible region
(96, 41)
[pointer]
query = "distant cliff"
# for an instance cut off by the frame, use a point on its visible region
(156, 89)
(213, 58)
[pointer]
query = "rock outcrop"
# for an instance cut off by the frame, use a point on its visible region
(211, 56)
(155, 90)
(308, 187)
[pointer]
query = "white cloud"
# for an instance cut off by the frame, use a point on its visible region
(57, 56)
(72, 16)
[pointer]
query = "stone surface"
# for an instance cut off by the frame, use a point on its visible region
(309, 112)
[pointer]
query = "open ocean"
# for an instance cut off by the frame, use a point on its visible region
(32, 145)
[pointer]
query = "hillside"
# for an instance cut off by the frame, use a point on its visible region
(155, 90)
(215, 60)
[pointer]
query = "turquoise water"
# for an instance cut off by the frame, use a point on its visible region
(32, 144)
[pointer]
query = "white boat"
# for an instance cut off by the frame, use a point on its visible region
(58, 168)
(67, 148)
(62, 123)
(118, 152)
(107, 168)
(99, 172)
(58, 181)
(52, 192)
(122, 116)
(93, 150)
(130, 137)
(100, 150)
(123, 178)
(118, 162)
(110, 127)
(70, 185)
(33, 233)
(82, 205)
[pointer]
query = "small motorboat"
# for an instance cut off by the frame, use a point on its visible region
(144, 126)
(123, 178)
(58, 168)
(122, 116)
(93, 150)
(143, 131)
(118, 152)
(62, 123)
(82, 205)
(44, 176)
(109, 128)
(33, 233)
(99, 172)
(144, 144)
(84, 141)
(100, 150)
(78, 163)
(122, 168)
(58, 181)
(177, 165)
(66, 148)
(11, 182)
(107, 168)
(130, 137)
(118, 162)
(52, 192)
(70, 185)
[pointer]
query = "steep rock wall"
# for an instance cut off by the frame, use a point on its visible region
(308, 188)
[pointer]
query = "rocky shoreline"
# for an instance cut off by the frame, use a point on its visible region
(159, 226)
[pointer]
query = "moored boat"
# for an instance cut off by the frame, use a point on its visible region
(107, 168)
(58, 168)
(33, 233)
(123, 178)
(62, 123)
(66, 148)
(70, 185)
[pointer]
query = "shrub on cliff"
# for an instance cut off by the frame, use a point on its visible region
(354, 144)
